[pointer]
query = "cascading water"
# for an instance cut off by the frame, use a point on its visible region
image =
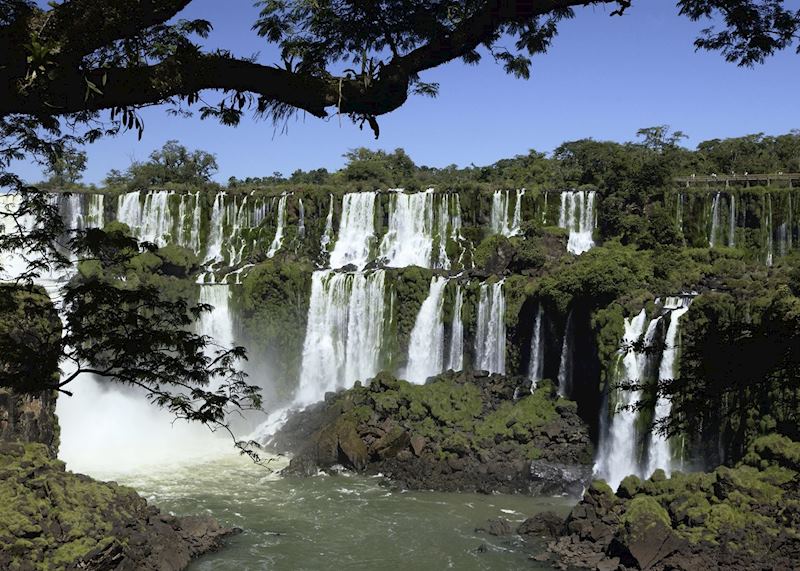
(301, 223)
(344, 333)
(356, 230)
(416, 225)
(618, 450)
(490, 337)
(577, 215)
(426, 345)
(214, 249)
(659, 455)
(732, 221)
(280, 222)
(455, 360)
(712, 237)
(499, 217)
(148, 219)
(536, 365)
(327, 235)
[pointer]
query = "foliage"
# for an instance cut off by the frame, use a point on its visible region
(173, 163)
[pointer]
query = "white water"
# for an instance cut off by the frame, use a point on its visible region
(732, 221)
(490, 336)
(455, 360)
(280, 222)
(418, 222)
(712, 238)
(214, 249)
(356, 230)
(327, 235)
(301, 223)
(536, 365)
(617, 456)
(104, 425)
(659, 449)
(500, 223)
(577, 215)
(565, 364)
(149, 219)
(426, 345)
(344, 333)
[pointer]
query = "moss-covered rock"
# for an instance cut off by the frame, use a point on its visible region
(54, 519)
(739, 518)
(458, 431)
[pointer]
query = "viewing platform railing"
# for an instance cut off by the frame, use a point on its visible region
(790, 180)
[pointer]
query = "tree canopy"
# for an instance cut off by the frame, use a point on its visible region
(81, 56)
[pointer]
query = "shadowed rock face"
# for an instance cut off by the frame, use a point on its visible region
(29, 418)
(460, 431)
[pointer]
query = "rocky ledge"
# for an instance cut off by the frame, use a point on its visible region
(745, 518)
(466, 431)
(54, 519)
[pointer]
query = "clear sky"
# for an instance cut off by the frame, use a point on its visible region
(603, 78)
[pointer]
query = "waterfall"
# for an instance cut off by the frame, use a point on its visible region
(448, 227)
(769, 230)
(565, 364)
(277, 241)
(194, 234)
(344, 333)
(490, 337)
(712, 238)
(499, 217)
(544, 210)
(679, 212)
(618, 450)
(150, 221)
(577, 215)
(456, 355)
(301, 224)
(327, 235)
(409, 238)
(217, 323)
(536, 366)
(659, 450)
(356, 230)
(732, 221)
(214, 249)
(415, 225)
(426, 347)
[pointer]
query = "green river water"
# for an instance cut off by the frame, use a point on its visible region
(337, 522)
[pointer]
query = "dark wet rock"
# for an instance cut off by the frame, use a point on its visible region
(466, 431)
(498, 526)
(544, 524)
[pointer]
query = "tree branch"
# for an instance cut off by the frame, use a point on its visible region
(82, 26)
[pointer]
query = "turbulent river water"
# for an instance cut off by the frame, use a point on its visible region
(335, 522)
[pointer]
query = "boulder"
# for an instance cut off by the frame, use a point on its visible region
(395, 440)
(418, 444)
(497, 526)
(548, 524)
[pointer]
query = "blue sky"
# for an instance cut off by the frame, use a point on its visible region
(603, 78)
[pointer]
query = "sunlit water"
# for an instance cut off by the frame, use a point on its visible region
(337, 522)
